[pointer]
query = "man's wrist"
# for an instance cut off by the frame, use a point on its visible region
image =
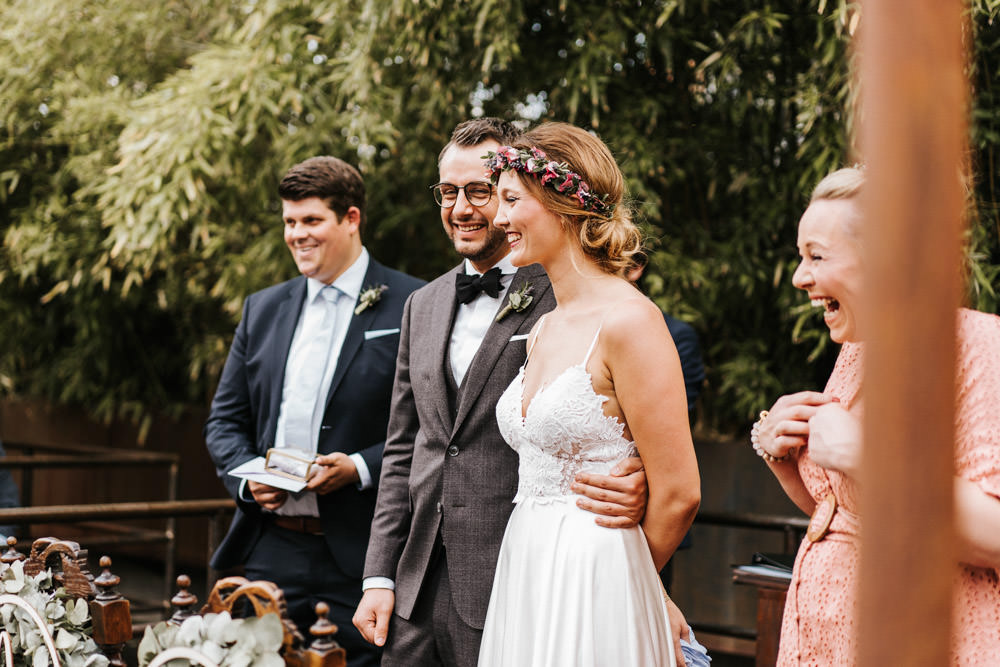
(364, 475)
(378, 582)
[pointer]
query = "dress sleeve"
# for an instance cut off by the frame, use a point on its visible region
(977, 418)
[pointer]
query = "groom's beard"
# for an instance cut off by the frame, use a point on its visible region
(488, 243)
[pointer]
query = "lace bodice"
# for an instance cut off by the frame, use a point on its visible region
(564, 431)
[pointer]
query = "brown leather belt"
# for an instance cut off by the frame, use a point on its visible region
(300, 524)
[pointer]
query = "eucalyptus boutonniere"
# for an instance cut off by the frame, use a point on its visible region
(369, 297)
(517, 301)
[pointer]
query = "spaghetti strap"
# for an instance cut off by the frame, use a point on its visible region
(531, 344)
(593, 344)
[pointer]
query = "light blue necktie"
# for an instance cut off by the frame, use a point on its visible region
(305, 395)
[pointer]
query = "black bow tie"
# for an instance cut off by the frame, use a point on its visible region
(468, 287)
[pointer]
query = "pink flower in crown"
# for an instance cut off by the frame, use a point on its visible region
(566, 184)
(551, 171)
(537, 152)
(508, 153)
(530, 164)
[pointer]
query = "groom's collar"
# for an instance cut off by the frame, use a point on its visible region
(505, 265)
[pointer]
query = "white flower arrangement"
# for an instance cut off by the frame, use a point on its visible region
(226, 641)
(67, 622)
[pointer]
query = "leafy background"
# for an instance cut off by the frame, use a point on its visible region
(141, 144)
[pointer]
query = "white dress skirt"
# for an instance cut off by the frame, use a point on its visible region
(568, 592)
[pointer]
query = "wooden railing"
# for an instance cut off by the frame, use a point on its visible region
(216, 510)
(33, 457)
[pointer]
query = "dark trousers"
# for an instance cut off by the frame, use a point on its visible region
(434, 634)
(302, 566)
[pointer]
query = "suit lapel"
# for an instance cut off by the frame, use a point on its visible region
(357, 327)
(439, 335)
(496, 339)
(286, 320)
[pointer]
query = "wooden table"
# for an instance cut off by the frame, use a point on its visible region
(771, 591)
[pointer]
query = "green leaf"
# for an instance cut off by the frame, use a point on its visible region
(78, 613)
(40, 656)
(64, 639)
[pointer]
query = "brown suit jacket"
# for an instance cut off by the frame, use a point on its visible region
(444, 471)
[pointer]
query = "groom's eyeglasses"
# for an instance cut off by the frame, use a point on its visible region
(478, 193)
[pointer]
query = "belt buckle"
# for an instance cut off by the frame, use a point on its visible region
(822, 517)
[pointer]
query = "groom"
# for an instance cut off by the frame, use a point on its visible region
(448, 477)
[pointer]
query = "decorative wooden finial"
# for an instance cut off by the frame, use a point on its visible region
(107, 583)
(12, 555)
(324, 651)
(111, 615)
(184, 602)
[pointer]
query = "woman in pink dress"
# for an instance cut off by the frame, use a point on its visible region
(812, 443)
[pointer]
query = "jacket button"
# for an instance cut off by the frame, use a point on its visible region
(439, 508)
(453, 450)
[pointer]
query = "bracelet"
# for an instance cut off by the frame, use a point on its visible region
(755, 441)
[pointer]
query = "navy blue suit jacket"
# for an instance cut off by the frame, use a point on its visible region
(244, 413)
(686, 341)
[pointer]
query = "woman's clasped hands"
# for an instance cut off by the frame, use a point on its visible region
(818, 420)
(786, 426)
(835, 439)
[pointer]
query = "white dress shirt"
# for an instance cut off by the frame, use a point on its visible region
(349, 284)
(474, 318)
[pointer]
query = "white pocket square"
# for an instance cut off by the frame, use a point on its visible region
(378, 333)
(518, 337)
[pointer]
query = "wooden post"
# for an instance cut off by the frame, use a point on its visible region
(914, 134)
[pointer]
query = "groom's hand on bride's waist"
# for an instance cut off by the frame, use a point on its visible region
(619, 499)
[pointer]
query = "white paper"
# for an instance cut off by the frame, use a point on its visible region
(253, 470)
(766, 570)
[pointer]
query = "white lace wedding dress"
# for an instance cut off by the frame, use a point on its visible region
(568, 592)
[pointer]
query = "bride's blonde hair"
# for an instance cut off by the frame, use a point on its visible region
(610, 239)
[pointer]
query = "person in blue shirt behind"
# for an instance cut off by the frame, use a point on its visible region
(692, 366)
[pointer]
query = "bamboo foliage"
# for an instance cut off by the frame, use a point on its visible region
(141, 144)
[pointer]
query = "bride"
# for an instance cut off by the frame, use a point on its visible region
(601, 382)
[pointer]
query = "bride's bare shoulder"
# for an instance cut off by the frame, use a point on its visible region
(634, 320)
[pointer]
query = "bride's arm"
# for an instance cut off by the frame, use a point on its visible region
(649, 387)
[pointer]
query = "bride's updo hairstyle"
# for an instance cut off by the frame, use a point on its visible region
(605, 230)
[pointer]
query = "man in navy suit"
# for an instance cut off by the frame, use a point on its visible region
(311, 368)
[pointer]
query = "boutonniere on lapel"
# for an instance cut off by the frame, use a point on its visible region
(369, 297)
(517, 301)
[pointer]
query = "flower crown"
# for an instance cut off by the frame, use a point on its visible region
(556, 175)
